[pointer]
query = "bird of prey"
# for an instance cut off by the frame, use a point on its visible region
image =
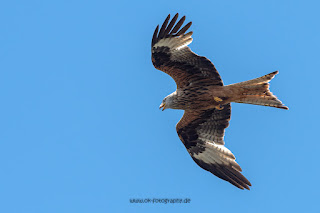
(204, 99)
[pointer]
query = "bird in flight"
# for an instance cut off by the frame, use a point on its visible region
(204, 99)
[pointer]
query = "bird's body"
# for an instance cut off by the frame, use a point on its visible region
(205, 100)
(202, 98)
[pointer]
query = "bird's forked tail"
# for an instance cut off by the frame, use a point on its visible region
(256, 91)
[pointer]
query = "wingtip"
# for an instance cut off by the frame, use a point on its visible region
(244, 186)
(157, 29)
(154, 37)
(170, 29)
(184, 29)
(177, 14)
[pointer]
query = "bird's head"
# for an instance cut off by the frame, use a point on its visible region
(169, 102)
(163, 105)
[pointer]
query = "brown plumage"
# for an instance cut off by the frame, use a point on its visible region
(206, 101)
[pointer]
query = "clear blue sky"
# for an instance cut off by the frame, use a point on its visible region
(80, 126)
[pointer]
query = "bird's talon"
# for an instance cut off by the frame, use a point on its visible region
(219, 107)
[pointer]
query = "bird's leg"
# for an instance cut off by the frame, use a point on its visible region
(217, 99)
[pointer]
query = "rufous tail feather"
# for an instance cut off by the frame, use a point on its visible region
(256, 91)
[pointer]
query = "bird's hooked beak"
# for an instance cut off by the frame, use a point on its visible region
(162, 106)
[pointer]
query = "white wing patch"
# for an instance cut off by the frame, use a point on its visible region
(217, 154)
(175, 43)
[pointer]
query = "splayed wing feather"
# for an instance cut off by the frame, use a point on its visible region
(184, 29)
(154, 37)
(171, 24)
(178, 25)
(163, 27)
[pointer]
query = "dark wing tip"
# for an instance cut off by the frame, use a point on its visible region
(178, 25)
(283, 107)
(226, 173)
(165, 30)
(171, 24)
(235, 178)
(154, 37)
(163, 27)
(184, 29)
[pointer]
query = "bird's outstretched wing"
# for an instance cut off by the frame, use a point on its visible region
(171, 54)
(202, 134)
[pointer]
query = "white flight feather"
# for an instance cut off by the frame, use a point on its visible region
(175, 43)
(217, 154)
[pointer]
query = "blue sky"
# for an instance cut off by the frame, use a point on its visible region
(80, 126)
